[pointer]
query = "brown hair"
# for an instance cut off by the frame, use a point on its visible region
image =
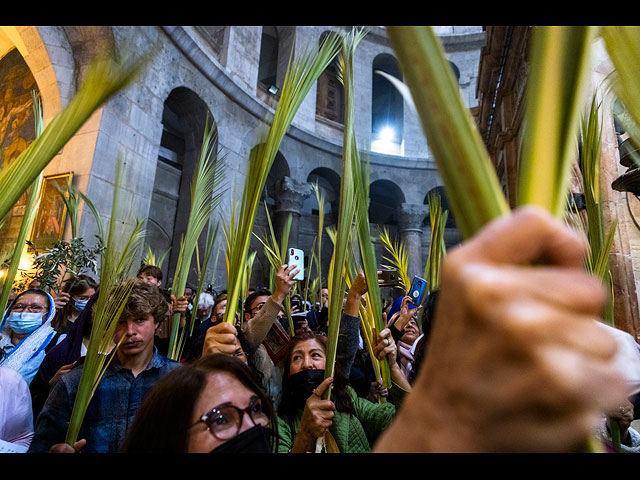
(162, 423)
(150, 271)
(146, 299)
(73, 286)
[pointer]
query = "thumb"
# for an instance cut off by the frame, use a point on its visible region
(322, 388)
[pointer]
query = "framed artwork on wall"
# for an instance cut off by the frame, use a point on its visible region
(52, 213)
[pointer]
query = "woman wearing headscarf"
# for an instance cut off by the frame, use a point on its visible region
(26, 332)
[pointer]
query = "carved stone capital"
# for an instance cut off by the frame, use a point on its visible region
(410, 217)
(290, 194)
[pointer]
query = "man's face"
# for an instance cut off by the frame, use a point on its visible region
(220, 309)
(188, 293)
(325, 296)
(257, 304)
(138, 335)
(149, 279)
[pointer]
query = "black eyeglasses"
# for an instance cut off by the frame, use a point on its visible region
(224, 421)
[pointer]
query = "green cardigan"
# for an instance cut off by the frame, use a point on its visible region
(353, 433)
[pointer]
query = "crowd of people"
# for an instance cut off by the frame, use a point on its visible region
(507, 355)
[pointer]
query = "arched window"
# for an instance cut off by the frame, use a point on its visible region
(330, 92)
(384, 199)
(456, 71)
(268, 66)
(387, 130)
(183, 120)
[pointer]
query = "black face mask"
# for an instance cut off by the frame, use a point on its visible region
(302, 385)
(254, 440)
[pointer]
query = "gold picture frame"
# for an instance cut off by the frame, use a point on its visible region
(49, 224)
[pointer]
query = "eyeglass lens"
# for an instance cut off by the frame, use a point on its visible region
(224, 422)
(33, 307)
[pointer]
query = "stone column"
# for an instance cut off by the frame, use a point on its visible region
(289, 195)
(410, 217)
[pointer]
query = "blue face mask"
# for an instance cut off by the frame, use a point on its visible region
(80, 304)
(24, 322)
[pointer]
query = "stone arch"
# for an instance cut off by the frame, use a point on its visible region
(329, 182)
(279, 169)
(31, 43)
(384, 198)
(387, 105)
(184, 117)
(456, 71)
(445, 206)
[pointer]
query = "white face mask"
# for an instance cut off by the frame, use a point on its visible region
(24, 322)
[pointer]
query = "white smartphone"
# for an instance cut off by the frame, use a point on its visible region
(296, 257)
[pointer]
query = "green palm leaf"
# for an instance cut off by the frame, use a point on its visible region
(300, 77)
(115, 287)
(437, 248)
(554, 99)
(276, 253)
(31, 209)
(347, 207)
(399, 258)
(472, 187)
(205, 198)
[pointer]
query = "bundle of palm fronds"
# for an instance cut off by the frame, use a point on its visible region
(399, 258)
(559, 69)
(347, 207)
(205, 197)
(115, 287)
(369, 327)
(301, 75)
(276, 253)
(437, 248)
(600, 240)
(29, 215)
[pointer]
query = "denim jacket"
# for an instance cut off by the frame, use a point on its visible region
(110, 412)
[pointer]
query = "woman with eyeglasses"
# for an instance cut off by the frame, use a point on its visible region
(27, 331)
(213, 405)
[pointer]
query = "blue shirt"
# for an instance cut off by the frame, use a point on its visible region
(110, 412)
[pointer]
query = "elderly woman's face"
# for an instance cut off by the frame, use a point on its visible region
(307, 355)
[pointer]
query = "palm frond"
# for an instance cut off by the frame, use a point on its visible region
(276, 254)
(320, 198)
(205, 198)
(600, 242)
(437, 248)
(301, 75)
(115, 287)
(475, 196)
(555, 94)
(347, 208)
(399, 258)
(29, 215)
